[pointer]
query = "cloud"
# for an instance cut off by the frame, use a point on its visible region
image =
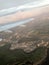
(28, 6)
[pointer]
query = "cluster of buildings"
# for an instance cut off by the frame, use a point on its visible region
(28, 46)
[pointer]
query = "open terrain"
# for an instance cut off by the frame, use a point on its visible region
(26, 43)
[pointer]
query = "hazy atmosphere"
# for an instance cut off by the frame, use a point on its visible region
(24, 32)
(15, 3)
(16, 10)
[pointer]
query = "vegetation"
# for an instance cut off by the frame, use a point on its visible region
(18, 56)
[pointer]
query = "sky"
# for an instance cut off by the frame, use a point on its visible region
(10, 6)
(12, 3)
(15, 3)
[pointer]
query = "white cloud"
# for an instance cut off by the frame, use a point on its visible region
(24, 7)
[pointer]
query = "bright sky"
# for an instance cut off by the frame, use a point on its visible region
(28, 5)
(20, 15)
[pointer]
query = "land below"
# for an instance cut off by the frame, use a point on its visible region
(25, 44)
